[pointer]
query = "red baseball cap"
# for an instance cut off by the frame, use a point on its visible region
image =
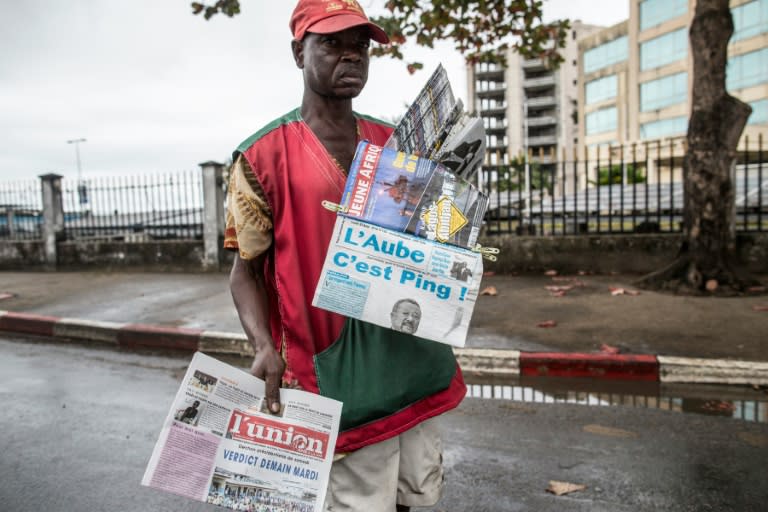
(329, 16)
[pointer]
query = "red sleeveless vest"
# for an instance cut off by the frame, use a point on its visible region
(388, 381)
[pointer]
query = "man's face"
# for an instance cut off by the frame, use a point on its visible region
(335, 65)
(406, 317)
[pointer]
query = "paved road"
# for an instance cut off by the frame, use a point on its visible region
(79, 423)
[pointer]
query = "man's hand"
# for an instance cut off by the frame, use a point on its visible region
(269, 366)
(246, 281)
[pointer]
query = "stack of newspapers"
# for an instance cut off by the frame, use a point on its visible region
(420, 182)
(403, 252)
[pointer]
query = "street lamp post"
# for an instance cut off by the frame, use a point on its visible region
(81, 190)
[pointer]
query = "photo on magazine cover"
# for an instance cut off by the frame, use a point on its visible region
(450, 210)
(407, 193)
(405, 316)
(190, 413)
(202, 381)
(241, 492)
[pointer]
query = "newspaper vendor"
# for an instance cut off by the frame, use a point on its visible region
(392, 383)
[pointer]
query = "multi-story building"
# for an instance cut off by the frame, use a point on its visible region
(528, 107)
(636, 76)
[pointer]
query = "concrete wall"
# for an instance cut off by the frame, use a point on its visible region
(21, 254)
(606, 253)
(602, 254)
(153, 256)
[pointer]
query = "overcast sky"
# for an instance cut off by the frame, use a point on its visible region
(155, 89)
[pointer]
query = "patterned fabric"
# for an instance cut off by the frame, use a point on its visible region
(249, 218)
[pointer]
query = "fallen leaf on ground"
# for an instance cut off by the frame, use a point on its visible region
(547, 323)
(623, 291)
(609, 349)
(550, 273)
(490, 290)
(760, 308)
(560, 488)
(559, 288)
(608, 431)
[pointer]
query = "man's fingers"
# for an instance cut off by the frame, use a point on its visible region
(273, 391)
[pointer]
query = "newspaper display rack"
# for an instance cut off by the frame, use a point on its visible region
(407, 226)
(219, 444)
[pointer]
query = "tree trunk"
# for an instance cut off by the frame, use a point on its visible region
(705, 261)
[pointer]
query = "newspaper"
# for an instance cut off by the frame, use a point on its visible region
(415, 195)
(436, 127)
(219, 445)
(399, 281)
(418, 130)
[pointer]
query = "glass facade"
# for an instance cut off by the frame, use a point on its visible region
(601, 121)
(747, 69)
(664, 49)
(601, 89)
(750, 19)
(759, 112)
(655, 12)
(663, 92)
(664, 128)
(606, 54)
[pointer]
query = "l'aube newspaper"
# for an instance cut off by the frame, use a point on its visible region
(219, 444)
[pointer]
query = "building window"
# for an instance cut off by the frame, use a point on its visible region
(601, 89)
(664, 128)
(606, 54)
(747, 69)
(601, 121)
(750, 19)
(662, 50)
(655, 12)
(759, 112)
(663, 92)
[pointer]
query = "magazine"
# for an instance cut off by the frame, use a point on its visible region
(370, 272)
(419, 129)
(407, 193)
(220, 445)
(436, 127)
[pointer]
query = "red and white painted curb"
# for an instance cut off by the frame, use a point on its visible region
(473, 361)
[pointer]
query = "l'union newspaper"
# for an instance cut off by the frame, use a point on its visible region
(220, 445)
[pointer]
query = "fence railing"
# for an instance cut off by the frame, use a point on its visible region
(128, 208)
(636, 189)
(148, 207)
(21, 208)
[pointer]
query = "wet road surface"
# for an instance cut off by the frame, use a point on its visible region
(79, 423)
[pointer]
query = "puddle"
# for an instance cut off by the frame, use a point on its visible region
(739, 402)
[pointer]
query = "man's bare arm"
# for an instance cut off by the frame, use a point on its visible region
(246, 282)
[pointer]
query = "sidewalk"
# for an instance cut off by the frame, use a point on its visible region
(587, 317)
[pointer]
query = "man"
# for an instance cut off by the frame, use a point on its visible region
(391, 383)
(190, 413)
(405, 316)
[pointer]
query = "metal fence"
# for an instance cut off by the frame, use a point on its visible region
(611, 189)
(135, 208)
(21, 207)
(128, 208)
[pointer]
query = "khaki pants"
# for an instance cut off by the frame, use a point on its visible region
(404, 470)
